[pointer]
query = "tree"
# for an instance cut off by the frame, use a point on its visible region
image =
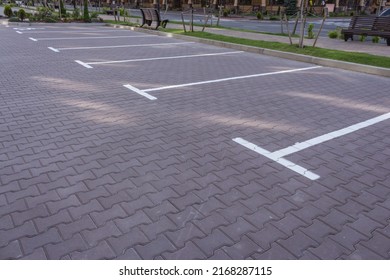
(22, 14)
(86, 12)
(8, 11)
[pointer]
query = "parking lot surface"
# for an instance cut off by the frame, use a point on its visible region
(116, 144)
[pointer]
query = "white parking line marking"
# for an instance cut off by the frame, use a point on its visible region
(83, 64)
(329, 136)
(233, 78)
(140, 92)
(161, 58)
(286, 163)
(87, 38)
(278, 155)
(53, 49)
(32, 39)
(123, 46)
(19, 32)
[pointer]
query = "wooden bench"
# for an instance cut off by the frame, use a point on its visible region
(152, 15)
(368, 26)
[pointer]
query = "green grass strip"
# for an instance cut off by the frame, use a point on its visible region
(354, 57)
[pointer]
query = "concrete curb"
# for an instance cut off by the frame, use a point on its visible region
(367, 69)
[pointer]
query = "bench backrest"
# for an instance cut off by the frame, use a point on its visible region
(151, 14)
(382, 24)
(360, 22)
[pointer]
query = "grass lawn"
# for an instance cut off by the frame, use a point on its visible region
(354, 57)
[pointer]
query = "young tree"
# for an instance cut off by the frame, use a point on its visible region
(8, 11)
(86, 12)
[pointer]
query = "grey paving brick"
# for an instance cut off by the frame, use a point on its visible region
(27, 229)
(266, 236)
(97, 192)
(183, 217)
(130, 254)
(67, 230)
(94, 236)
(212, 242)
(365, 225)
(181, 236)
(233, 212)
(3, 200)
(379, 244)
(79, 211)
(160, 196)
(56, 251)
(276, 252)
(129, 222)
(298, 243)
(336, 219)
(220, 255)
(45, 223)
(135, 205)
(155, 248)
(21, 217)
(100, 218)
(242, 249)
(70, 201)
(49, 237)
(209, 223)
(101, 251)
(237, 229)
(50, 196)
(329, 250)
(288, 224)
(17, 206)
(160, 210)
(29, 192)
(69, 190)
(38, 254)
(209, 206)
(156, 228)
(182, 202)
(362, 253)
(188, 252)
(318, 230)
(126, 241)
(6, 222)
(348, 238)
(11, 251)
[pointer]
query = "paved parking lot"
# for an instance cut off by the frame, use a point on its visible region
(123, 145)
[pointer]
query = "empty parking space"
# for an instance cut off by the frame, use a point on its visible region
(155, 147)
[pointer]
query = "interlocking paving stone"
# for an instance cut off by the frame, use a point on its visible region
(11, 251)
(212, 242)
(127, 240)
(155, 248)
(101, 251)
(56, 251)
(188, 252)
(90, 175)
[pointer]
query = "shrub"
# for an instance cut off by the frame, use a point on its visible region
(8, 11)
(22, 14)
(362, 38)
(94, 15)
(259, 16)
(14, 19)
(273, 18)
(76, 14)
(375, 39)
(333, 34)
(310, 33)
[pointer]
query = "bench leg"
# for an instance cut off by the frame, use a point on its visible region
(164, 23)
